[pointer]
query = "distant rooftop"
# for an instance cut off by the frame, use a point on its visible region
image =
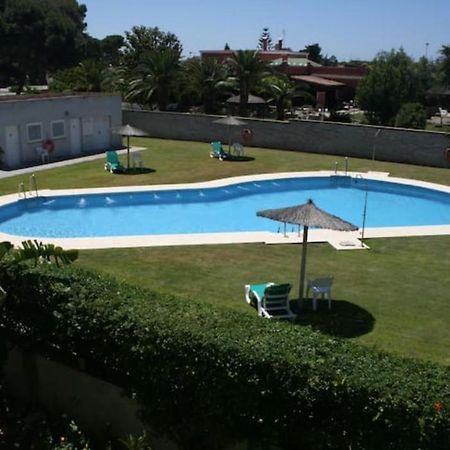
(294, 62)
(318, 81)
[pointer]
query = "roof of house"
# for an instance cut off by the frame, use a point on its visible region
(317, 80)
(294, 62)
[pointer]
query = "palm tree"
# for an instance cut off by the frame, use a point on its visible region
(33, 250)
(247, 69)
(88, 76)
(154, 79)
(206, 78)
(282, 91)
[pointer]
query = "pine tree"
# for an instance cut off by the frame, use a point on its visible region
(265, 40)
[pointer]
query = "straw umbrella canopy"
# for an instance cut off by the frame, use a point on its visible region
(252, 100)
(128, 130)
(230, 121)
(308, 215)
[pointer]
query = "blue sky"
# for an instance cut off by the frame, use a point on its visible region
(355, 29)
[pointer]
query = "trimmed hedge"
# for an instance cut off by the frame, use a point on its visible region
(208, 376)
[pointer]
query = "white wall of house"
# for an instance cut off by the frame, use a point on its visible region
(76, 125)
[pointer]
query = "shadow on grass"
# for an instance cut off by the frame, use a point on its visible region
(344, 319)
(239, 158)
(136, 171)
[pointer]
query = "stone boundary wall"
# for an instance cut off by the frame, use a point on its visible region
(96, 405)
(359, 141)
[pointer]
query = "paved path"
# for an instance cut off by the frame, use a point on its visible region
(53, 165)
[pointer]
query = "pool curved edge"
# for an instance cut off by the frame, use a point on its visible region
(340, 240)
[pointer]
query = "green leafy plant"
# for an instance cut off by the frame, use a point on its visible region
(39, 252)
(411, 115)
(207, 377)
(136, 442)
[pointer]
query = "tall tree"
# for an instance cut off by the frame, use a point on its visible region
(88, 76)
(392, 80)
(206, 77)
(444, 64)
(153, 81)
(314, 51)
(106, 50)
(39, 36)
(247, 69)
(330, 60)
(111, 46)
(265, 40)
(141, 40)
(282, 91)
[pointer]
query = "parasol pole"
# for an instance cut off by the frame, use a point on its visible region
(128, 151)
(303, 267)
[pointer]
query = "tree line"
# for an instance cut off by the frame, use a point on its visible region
(45, 41)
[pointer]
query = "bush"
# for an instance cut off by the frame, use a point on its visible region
(29, 428)
(207, 376)
(411, 115)
(339, 117)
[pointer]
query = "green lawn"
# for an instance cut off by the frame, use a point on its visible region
(438, 127)
(395, 296)
(184, 162)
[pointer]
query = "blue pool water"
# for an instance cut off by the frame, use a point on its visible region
(224, 209)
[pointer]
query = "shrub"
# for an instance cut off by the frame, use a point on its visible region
(30, 428)
(206, 376)
(339, 117)
(411, 115)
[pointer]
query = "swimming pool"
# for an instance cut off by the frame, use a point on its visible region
(224, 208)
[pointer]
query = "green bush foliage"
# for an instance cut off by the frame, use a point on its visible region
(411, 115)
(207, 376)
(24, 427)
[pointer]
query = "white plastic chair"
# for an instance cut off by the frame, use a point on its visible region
(137, 160)
(238, 148)
(42, 155)
(320, 286)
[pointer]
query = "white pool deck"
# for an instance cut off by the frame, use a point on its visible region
(339, 240)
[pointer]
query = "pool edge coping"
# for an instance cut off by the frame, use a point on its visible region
(339, 240)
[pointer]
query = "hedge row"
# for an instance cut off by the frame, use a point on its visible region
(208, 376)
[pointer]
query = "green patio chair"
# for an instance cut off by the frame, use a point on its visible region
(112, 163)
(217, 151)
(271, 300)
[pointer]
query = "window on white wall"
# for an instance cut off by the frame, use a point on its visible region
(58, 128)
(34, 132)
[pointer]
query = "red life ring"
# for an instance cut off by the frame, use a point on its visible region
(247, 136)
(48, 145)
(447, 154)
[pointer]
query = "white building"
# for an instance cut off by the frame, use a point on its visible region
(65, 125)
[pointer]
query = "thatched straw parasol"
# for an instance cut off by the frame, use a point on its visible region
(128, 130)
(308, 215)
(230, 121)
(252, 100)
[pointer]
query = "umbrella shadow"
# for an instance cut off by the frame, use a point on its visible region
(344, 319)
(234, 158)
(137, 171)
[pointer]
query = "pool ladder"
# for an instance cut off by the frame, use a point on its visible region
(357, 177)
(336, 166)
(32, 188)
